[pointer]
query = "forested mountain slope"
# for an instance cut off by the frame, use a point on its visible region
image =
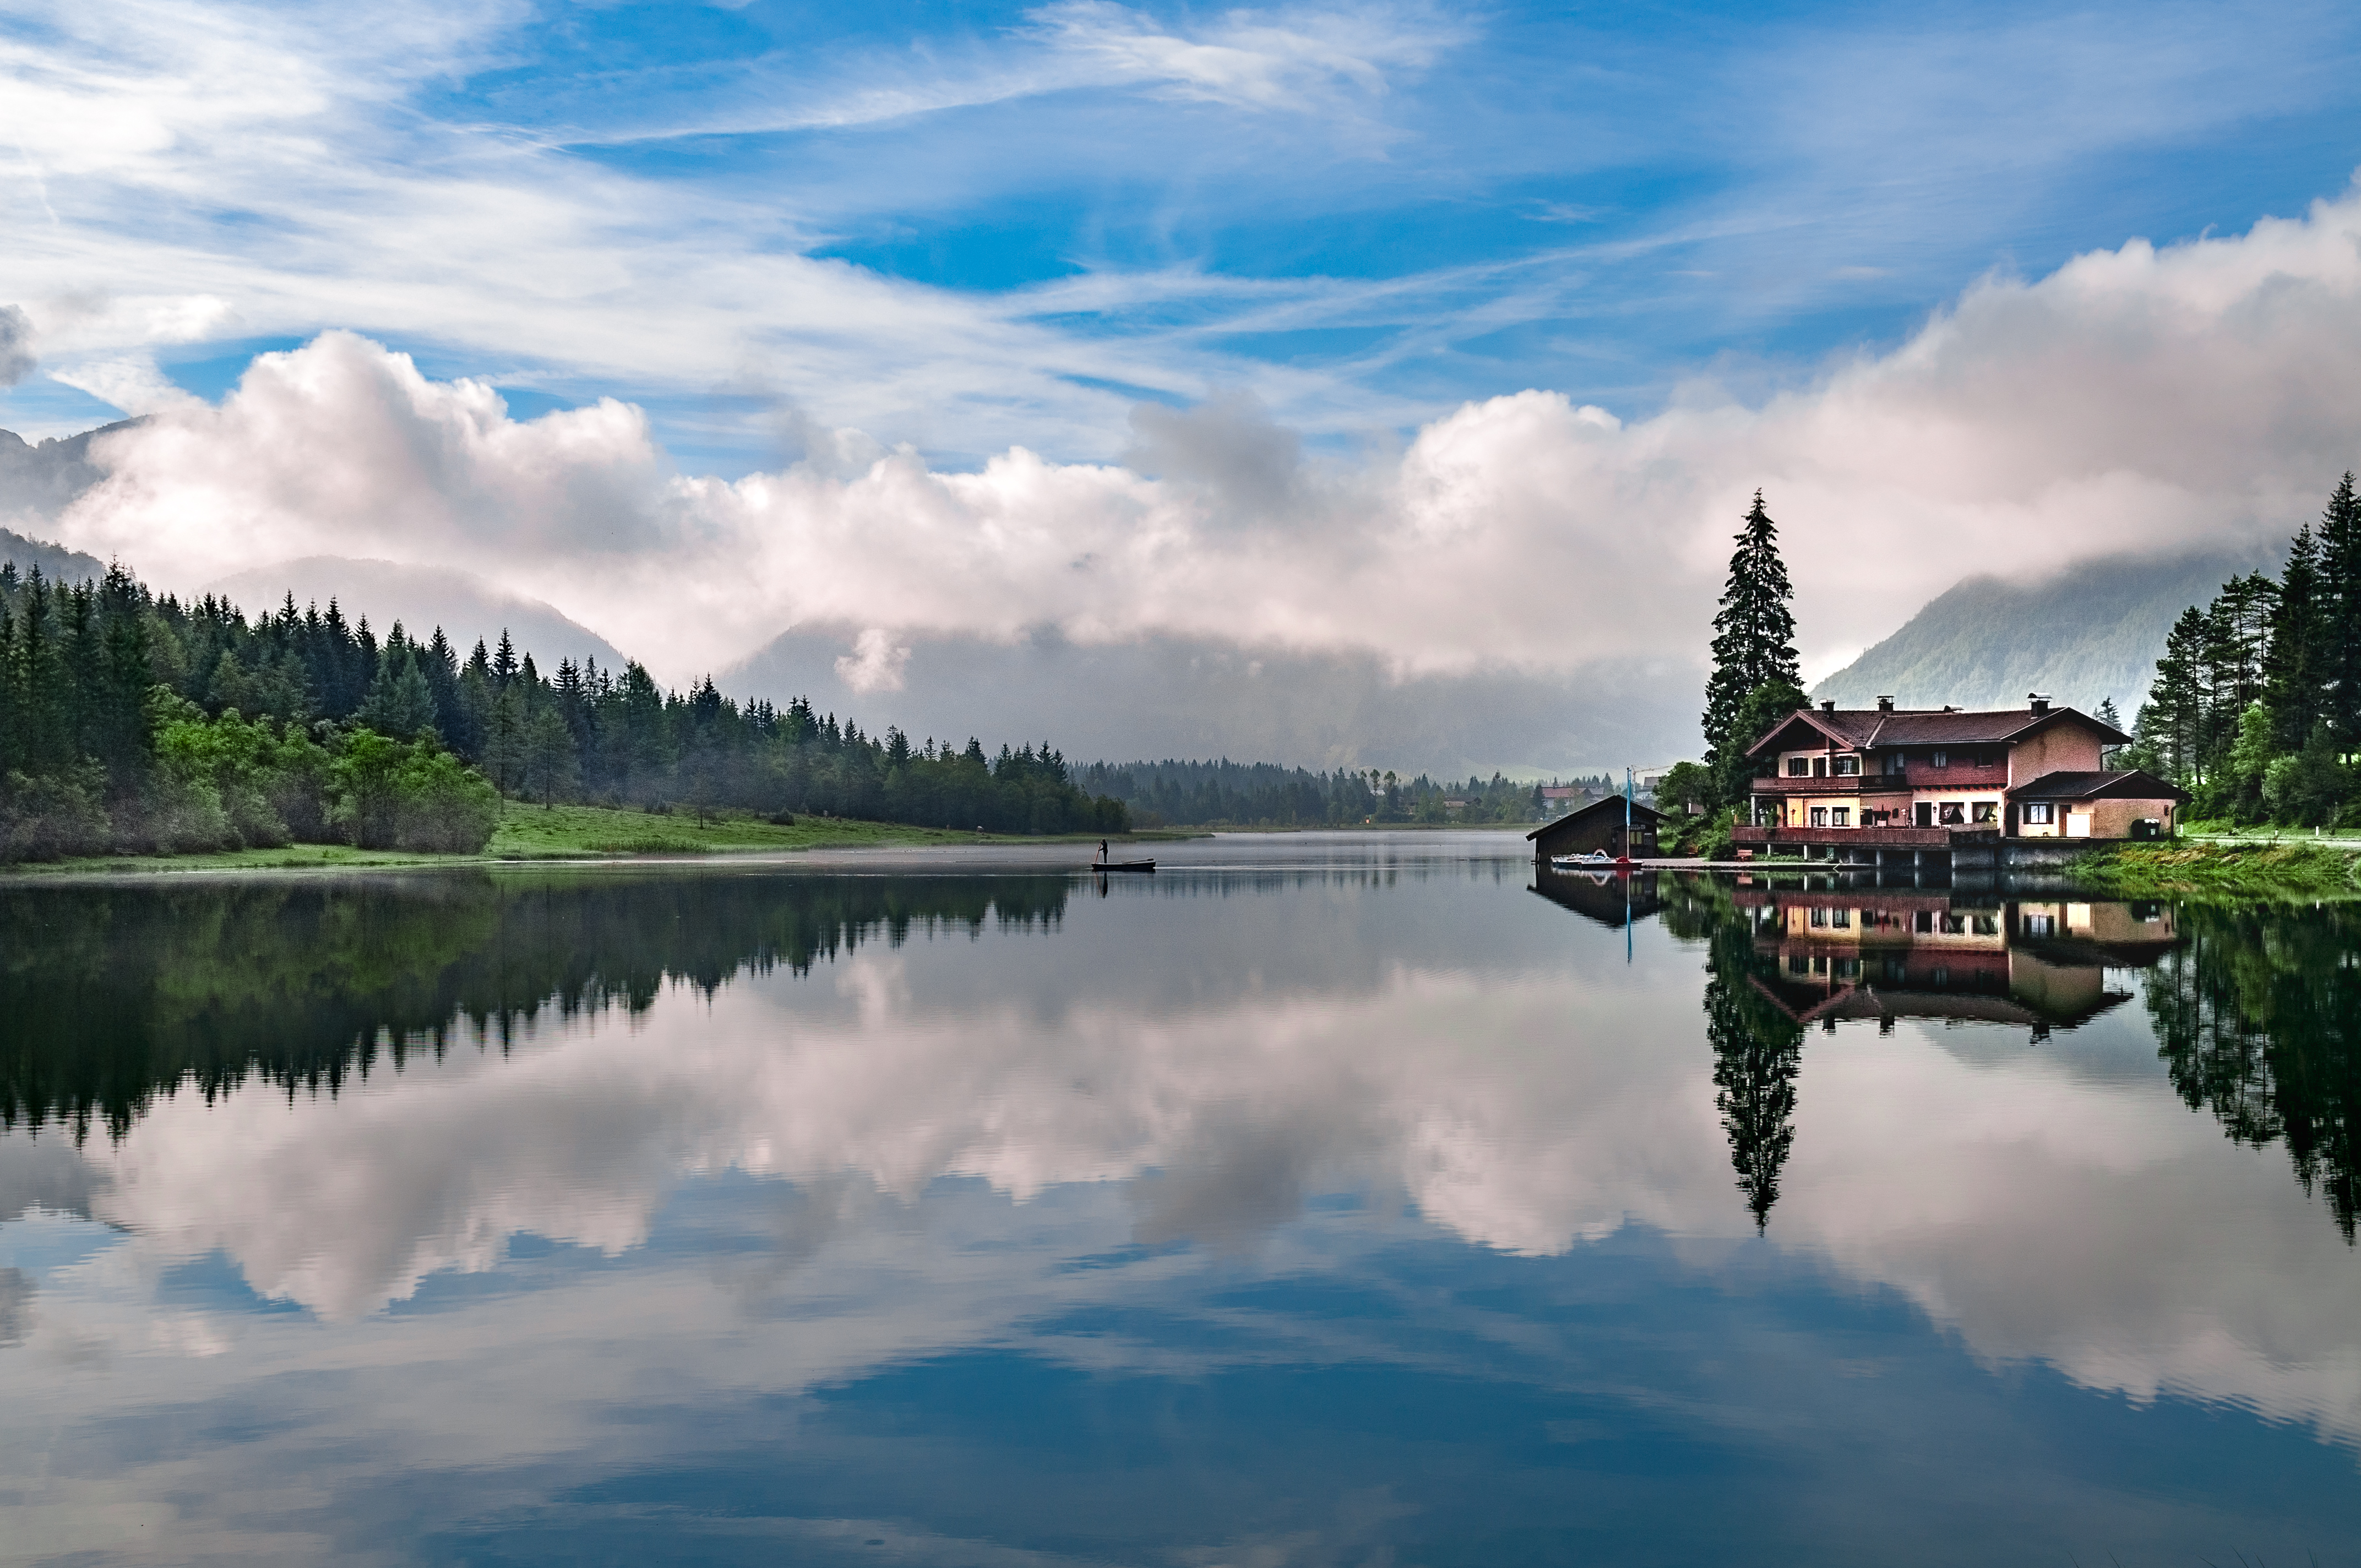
(2091, 631)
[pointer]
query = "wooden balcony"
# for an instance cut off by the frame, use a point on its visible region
(1845, 783)
(1862, 838)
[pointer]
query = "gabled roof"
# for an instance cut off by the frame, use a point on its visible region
(1639, 814)
(2123, 784)
(1857, 728)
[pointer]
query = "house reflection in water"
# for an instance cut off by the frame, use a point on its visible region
(1615, 898)
(1861, 954)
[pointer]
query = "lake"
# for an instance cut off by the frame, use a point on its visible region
(1329, 1199)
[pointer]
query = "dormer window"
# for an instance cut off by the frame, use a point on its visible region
(1938, 760)
(1847, 767)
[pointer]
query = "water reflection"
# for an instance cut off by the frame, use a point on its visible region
(1292, 1214)
(2259, 1020)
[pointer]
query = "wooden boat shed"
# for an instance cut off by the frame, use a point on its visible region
(1598, 827)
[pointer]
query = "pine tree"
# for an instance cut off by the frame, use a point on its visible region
(2340, 607)
(2295, 663)
(2173, 722)
(1754, 633)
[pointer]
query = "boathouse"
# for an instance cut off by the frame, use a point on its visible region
(1598, 829)
(1988, 788)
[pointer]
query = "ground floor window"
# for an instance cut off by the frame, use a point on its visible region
(1986, 811)
(1952, 814)
(1840, 816)
(2037, 811)
(1820, 817)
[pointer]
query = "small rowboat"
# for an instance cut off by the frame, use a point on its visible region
(1595, 858)
(1123, 865)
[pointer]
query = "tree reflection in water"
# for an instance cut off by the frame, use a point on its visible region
(110, 996)
(2256, 1011)
(1757, 1052)
(2258, 1019)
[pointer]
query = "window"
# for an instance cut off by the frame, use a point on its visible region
(1819, 767)
(1939, 759)
(1988, 759)
(1987, 925)
(2041, 924)
(1840, 918)
(2036, 811)
(1847, 767)
(1847, 969)
(1954, 925)
(1819, 919)
(1840, 816)
(1820, 817)
(1799, 767)
(1923, 921)
(1952, 814)
(1797, 963)
(1986, 811)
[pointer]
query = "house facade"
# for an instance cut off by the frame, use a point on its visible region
(1937, 778)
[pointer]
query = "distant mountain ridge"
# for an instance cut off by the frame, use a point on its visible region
(2091, 631)
(38, 480)
(55, 561)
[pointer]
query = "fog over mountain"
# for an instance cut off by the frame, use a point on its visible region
(2091, 631)
(1190, 699)
(421, 598)
(40, 479)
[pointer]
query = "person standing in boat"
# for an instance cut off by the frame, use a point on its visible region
(1102, 853)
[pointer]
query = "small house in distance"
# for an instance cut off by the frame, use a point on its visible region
(1599, 828)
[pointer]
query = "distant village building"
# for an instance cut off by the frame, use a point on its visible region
(1856, 784)
(1559, 799)
(1598, 829)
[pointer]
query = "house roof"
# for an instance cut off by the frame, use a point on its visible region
(1581, 814)
(1857, 728)
(2126, 784)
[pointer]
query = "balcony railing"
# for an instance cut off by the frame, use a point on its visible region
(1842, 783)
(1867, 838)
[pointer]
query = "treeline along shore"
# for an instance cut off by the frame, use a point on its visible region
(132, 722)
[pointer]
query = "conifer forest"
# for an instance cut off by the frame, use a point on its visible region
(2256, 708)
(134, 722)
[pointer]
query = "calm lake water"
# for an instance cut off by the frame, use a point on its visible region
(1333, 1200)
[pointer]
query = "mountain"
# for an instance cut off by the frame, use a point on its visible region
(2093, 630)
(39, 481)
(54, 560)
(421, 598)
(1198, 698)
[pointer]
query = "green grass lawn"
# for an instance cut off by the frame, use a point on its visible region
(534, 833)
(575, 832)
(2298, 868)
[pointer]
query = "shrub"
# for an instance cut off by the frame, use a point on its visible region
(52, 815)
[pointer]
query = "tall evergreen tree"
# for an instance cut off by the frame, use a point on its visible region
(2296, 662)
(2340, 604)
(1754, 633)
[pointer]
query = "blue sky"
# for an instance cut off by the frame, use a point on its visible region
(1010, 223)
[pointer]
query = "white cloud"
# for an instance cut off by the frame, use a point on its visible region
(875, 664)
(2139, 399)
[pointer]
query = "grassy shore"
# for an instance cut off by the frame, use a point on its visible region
(574, 832)
(2296, 868)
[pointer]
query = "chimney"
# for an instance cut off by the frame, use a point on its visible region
(2040, 701)
(1829, 706)
(1885, 705)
